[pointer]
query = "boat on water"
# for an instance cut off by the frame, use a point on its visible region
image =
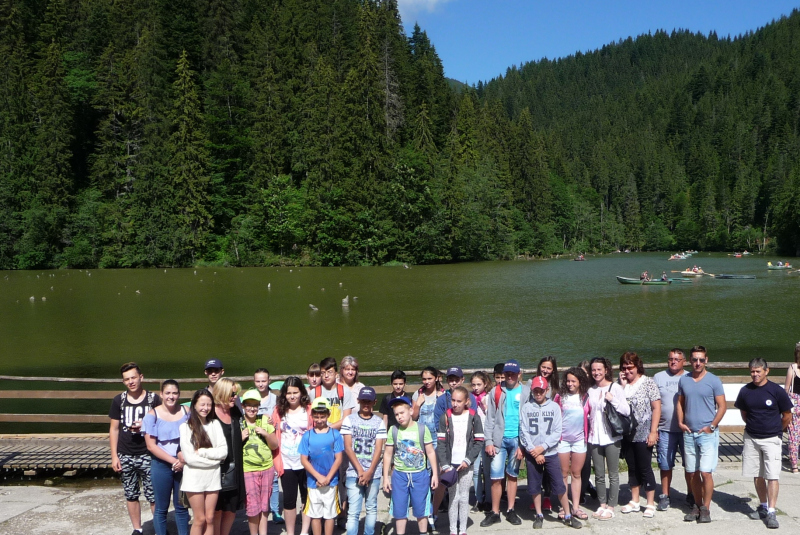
(737, 255)
(691, 273)
(579, 258)
(680, 280)
(728, 276)
(677, 257)
(690, 252)
(779, 265)
(628, 280)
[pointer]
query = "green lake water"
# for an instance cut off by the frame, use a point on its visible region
(472, 315)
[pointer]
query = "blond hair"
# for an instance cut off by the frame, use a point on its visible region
(223, 390)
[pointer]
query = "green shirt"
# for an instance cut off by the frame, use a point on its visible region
(256, 455)
(409, 454)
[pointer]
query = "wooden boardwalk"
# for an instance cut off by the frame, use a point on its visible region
(91, 451)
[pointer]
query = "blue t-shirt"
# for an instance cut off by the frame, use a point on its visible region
(321, 450)
(701, 408)
(763, 405)
(512, 413)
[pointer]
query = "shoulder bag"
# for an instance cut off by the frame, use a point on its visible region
(619, 424)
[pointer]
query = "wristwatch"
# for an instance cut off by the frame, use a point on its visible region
(712, 427)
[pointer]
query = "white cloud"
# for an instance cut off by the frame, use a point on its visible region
(409, 8)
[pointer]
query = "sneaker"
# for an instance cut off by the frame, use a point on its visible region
(692, 517)
(772, 520)
(538, 522)
(491, 519)
(572, 522)
(690, 500)
(759, 514)
(432, 524)
(513, 518)
(705, 516)
(277, 519)
(663, 502)
(546, 505)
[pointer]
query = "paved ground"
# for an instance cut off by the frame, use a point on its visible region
(89, 509)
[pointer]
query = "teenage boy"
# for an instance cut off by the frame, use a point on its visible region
(128, 449)
(540, 433)
(266, 408)
(214, 371)
(502, 442)
(499, 375)
(321, 455)
(409, 450)
(766, 410)
(313, 376)
(701, 406)
(364, 435)
(670, 436)
(398, 389)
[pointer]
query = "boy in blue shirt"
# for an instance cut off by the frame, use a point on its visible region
(321, 455)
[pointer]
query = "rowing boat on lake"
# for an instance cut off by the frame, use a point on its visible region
(726, 276)
(628, 280)
(770, 265)
(690, 273)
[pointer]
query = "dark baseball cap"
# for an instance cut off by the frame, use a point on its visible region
(213, 363)
(455, 370)
(511, 366)
(367, 394)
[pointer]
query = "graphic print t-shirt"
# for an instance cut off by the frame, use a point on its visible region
(256, 455)
(409, 454)
(338, 405)
(293, 426)
(131, 443)
(364, 433)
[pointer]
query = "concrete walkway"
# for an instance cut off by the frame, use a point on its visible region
(99, 509)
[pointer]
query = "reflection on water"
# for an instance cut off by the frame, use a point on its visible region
(467, 314)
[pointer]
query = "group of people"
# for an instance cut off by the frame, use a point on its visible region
(645, 276)
(323, 440)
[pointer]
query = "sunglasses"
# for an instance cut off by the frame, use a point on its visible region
(628, 368)
(698, 360)
(312, 374)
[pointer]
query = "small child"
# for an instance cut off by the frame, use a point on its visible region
(321, 455)
(460, 444)
(258, 439)
(364, 435)
(409, 449)
(539, 435)
(398, 380)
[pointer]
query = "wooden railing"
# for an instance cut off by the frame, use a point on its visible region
(378, 379)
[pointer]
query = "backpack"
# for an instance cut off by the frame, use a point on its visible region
(498, 391)
(336, 413)
(124, 399)
(421, 429)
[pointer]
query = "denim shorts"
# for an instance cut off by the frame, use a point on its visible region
(505, 462)
(574, 446)
(669, 443)
(702, 451)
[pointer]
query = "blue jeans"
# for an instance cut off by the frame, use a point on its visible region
(165, 483)
(274, 504)
(355, 494)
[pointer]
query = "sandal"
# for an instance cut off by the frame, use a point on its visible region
(599, 512)
(649, 511)
(579, 514)
(632, 507)
(608, 514)
(795, 470)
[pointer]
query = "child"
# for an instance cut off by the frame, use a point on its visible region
(339, 397)
(574, 403)
(398, 380)
(481, 482)
(499, 373)
(259, 473)
(540, 432)
(267, 407)
(460, 444)
(364, 435)
(409, 449)
(313, 376)
(321, 455)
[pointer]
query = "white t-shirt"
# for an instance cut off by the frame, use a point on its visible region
(459, 438)
(293, 426)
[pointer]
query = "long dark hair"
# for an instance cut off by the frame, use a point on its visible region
(553, 379)
(436, 374)
(580, 375)
(199, 436)
(606, 364)
(283, 403)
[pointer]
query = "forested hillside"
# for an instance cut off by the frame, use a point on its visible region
(253, 132)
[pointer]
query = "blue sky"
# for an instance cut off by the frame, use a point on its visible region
(479, 39)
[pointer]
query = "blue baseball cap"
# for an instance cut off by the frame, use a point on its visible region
(511, 366)
(401, 399)
(213, 363)
(455, 370)
(367, 394)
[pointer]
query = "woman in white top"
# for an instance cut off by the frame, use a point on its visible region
(203, 448)
(349, 376)
(604, 447)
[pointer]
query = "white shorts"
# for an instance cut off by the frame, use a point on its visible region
(761, 457)
(575, 446)
(323, 502)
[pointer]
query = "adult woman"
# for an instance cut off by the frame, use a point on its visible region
(292, 418)
(604, 447)
(644, 398)
(349, 375)
(203, 448)
(792, 386)
(425, 398)
(232, 496)
(162, 436)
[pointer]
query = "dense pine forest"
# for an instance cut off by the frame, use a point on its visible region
(256, 132)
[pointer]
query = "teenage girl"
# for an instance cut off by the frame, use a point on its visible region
(425, 398)
(573, 400)
(481, 385)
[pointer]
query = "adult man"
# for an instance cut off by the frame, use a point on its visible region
(766, 410)
(267, 407)
(502, 442)
(214, 370)
(670, 436)
(128, 449)
(701, 406)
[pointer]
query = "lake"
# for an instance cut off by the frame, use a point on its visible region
(472, 315)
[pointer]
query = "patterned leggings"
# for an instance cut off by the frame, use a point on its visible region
(794, 430)
(459, 502)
